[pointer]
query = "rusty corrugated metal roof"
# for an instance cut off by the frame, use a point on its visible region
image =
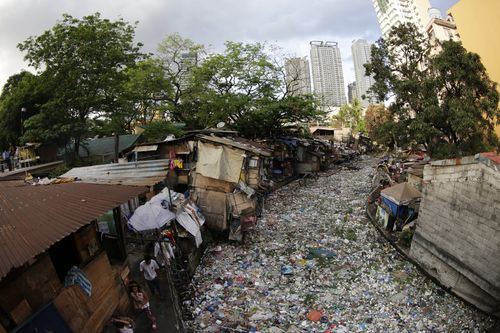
(32, 218)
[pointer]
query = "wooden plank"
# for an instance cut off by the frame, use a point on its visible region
(10, 296)
(86, 243)
(89, 314)
(72, 309)
(214, 208)
(39, 284)
(211, 184)
(103, 311)
(21, 312)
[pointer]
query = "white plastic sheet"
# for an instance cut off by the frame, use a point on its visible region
(191, 226)
(150, 216)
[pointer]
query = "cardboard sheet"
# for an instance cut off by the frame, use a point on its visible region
(211, 184)
(213, 206)
(240, 204)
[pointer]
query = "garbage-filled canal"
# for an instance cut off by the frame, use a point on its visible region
(314, 263)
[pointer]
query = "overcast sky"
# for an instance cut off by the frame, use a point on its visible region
(288, 23)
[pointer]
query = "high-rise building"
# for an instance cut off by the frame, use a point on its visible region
(298, 76)
(478, 26)
(361, 51)
(351, 92)
(327, 75)
(187, 62)
(391, 13)
(439, 30)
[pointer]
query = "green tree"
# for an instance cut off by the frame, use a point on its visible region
(83, 63)
(377, 116)
(178, 57)
(350, 116)
(446, 101)
(145, 92)
(158, 130)
(245, 88)
(232, 83)
(271, 118)
(23, 91)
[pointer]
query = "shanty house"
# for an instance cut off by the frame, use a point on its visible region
(179, 151)
(228, 173)
(323, 132)
(56, 274)
(399, 205)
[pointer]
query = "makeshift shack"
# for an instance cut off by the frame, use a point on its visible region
(308, 155)
(400, 201)
(56, 275)
(323, 133)
(282, 163)
(181, 153)
(229, 173)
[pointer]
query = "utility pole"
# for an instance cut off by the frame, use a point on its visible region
(23, 110)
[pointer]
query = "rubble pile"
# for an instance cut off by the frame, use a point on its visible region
(315, 264)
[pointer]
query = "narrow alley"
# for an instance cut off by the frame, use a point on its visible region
(314, 263)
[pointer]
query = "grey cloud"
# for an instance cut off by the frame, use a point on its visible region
(290, 23)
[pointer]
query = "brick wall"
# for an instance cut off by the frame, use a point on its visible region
(458, 232)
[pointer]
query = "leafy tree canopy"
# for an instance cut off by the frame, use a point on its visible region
(376, 118)
(83, 63)
(21, 98)
(178, 56)
(158, 130)
(245, 88)
(446, 102)
(350, 116)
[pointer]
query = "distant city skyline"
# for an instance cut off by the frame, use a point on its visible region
(289, 25)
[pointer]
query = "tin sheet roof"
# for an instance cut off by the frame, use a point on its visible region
(32, 218)
(247, 145)
(141, 173)
(106, 146)
(145, 148)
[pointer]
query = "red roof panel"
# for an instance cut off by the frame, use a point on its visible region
(32, 218)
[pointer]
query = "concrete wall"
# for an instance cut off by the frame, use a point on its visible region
(457, 238)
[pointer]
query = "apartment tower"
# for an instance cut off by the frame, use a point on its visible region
(298, 76)
(394, 12)
(361, 55)
(327, 75)
(351, 92)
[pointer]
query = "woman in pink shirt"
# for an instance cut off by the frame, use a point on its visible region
(141, 302)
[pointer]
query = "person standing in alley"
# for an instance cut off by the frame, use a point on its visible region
(6, 159)
(149, 266)
(140, 300)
